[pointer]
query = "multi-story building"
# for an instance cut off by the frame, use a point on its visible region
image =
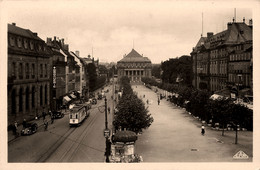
(134, 66)
(29, 62)
(58, 74)
(223, 60)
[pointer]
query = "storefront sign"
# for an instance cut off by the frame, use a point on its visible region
(54, 77)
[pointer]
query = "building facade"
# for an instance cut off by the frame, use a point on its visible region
(29, 62)
(134, 66)
(223, 60)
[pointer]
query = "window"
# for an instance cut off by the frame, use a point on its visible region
(45, 94)
(19, 42)
(21, 100)
(20, 71)
(27, 98)
(25, 43)
(31, 45)
(12, 41)
(41, 70)
(46, 70)
(41, 96)
(13, 70)
(27, 70)
(33, 71)
(14, 101)
(33, 97)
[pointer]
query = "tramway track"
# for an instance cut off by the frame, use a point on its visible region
(68, 155)
(55, 146)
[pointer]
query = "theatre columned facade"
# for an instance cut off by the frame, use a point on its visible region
(134, 66)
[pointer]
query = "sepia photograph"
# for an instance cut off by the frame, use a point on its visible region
(160, 84)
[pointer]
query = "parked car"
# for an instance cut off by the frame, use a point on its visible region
(30, 128)
(94, 101)
(57, 114)
(100, 97)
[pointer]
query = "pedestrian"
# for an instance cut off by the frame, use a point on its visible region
(144, 96)
(52, 118)
(43, 115)
(147, 101)
(24, 123)
(108, 109)
(45, 125)
(158, 101)
(202, 130)
(15, 128)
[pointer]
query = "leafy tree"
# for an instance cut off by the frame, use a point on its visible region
(132, 114)
(156, 70)
(91, 68)
(221, 111)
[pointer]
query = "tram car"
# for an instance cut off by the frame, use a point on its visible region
(78, 113)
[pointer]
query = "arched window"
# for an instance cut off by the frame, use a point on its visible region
(41, 96)
(21, 100)
(27, 98)
(45, 94)
(13, 101)
(33, 97)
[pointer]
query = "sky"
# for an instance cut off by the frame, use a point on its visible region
(157, 29)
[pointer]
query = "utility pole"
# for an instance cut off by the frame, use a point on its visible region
(107, 134)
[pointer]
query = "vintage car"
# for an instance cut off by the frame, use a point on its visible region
(57, 114)
(30, 128)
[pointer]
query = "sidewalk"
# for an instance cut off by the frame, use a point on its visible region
(39, 122)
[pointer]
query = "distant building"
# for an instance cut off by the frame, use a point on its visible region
(29, 62)
(134, 66)
(223, 61)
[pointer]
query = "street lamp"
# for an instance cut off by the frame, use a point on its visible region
(107, 134)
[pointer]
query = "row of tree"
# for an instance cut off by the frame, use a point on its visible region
(131, 112)
(177, 70)
(221, 110)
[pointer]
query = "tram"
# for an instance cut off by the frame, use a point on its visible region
(78, 113)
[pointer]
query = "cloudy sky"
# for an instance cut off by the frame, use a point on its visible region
(157, 29)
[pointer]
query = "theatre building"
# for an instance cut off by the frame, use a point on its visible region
(29, 62)
(134, 66)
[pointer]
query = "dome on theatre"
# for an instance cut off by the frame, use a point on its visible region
(125, 136)
(134, 56)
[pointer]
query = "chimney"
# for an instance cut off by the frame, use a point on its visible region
(14, 23)
(243, 19)
(48, 42)
(229, 25)
(250, 22)
(35, 34)
(66, 47)
(209, 34)
(77, 53)
(88, 56)
(233, 19)
(54, 38)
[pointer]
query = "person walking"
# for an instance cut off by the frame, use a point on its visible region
(158, 101)
(15, 128)
(147, 101)
(43, 115)
(202, 130)
(108, 109)
(45, 125)
(24, 123)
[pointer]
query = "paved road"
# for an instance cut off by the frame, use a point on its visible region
(62, 143)
(174, 136)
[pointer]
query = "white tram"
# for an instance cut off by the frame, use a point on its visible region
(78, 113)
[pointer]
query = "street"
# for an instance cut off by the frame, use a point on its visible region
(62, 143)
(174, 136)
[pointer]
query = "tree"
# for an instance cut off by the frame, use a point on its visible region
(132, 114)
(91, 68)
(156, 70)
(221, 111)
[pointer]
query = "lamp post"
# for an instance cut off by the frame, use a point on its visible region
(107, 134)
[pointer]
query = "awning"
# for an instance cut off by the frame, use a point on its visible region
(73, 96)
(66, 98)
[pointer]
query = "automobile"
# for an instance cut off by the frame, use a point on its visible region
(57, 114)
(94, 101)
(99, 96)
(30, 128)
